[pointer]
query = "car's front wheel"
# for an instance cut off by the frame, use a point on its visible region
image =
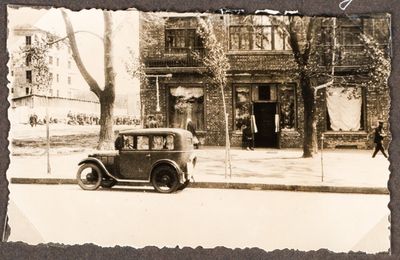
(89, 176)
(165, 179)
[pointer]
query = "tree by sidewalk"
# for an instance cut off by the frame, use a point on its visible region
(301, 36)
(217, 65)
(106, 95)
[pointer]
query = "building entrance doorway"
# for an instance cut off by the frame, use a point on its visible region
(265, 119)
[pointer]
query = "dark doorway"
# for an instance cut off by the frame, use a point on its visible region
(265, 120)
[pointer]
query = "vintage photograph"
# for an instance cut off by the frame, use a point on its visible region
(244, 130)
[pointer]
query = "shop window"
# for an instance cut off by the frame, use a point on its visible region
(242, 107)
(185, 103)
(345, 109)
(287, 107)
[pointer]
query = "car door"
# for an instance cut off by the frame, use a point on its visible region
(135, 158)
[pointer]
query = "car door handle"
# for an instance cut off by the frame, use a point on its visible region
(148, 155)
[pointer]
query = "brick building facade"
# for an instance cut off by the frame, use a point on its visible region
(261, 80)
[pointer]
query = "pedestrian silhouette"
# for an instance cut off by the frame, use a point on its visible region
(379, 134)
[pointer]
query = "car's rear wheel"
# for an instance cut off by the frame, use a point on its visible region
(165, 179)
(89, 176)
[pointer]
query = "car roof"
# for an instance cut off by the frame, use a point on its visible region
(154, 131)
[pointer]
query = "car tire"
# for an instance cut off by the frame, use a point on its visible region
(91, 182)
(184, 185)
(108, 183)
(164, 179)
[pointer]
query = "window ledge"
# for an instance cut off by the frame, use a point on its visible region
(345, 132)
(259, 52)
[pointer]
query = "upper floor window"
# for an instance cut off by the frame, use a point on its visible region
(28, 40)
(58, 61)
(50, 59)
(69, 80)
(69, 64)
(182, 40)
(351, 35)
(28, 59)
(28, 76)
(256, 33)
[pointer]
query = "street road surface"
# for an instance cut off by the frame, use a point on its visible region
(199, 217)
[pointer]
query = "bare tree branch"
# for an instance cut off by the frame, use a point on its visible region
(94, 86)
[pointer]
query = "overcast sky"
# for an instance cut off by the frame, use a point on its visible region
(126, 35)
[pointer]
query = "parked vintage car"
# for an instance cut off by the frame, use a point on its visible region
(163, 157)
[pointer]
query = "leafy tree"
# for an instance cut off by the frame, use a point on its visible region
(302, 37)
(303, 42)
(36, 56)
(217, 66)
(106, 94)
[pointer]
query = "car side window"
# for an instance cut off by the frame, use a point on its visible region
(162, 142)
(129, 143)
(142, 142)
(158, 142)
(169, 142)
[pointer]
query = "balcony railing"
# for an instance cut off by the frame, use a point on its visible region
(345, 56)
(178, 57)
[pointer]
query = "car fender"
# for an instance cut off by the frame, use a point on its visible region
(98, 163)
(171, 163)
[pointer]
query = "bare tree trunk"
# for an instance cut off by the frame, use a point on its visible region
(310, 124)
(106, 124)
(107, 95)
(228, 163)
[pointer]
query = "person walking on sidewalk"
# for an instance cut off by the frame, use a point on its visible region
(379, 134)
(191, 128)
(247, 137)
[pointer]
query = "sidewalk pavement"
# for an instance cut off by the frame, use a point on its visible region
(344, 171)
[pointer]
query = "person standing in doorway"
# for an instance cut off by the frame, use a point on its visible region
(379, 134)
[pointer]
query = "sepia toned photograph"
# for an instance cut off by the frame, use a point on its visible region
(265, 130)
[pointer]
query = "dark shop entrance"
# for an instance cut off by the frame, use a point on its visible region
(266, 135)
